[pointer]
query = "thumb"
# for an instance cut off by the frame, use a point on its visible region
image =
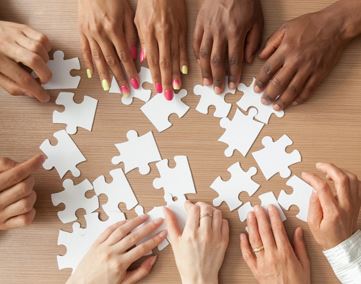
(172, 225)
(142, 271)
(300, 248)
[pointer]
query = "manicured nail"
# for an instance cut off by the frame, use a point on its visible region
(277, 107)
(184, 70)
(218, 90)
(141, 55)
(207, 82)
(134, 83)
(133, 52)
(159, 88)
(232, 85)
(265, 101)
(89, 73)
(257, 89)
(125, 90)
(176, 84)
(168, 94)
(105, 85)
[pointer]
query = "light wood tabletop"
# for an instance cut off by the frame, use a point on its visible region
(327, 128)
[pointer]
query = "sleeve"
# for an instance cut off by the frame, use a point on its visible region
(345, 259)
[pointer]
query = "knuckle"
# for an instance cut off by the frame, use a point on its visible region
(26, 220)
(216, 61)
(153, 61)
(96, 55)
(26, 80)
(124, 56)
(276, 82)
(5, 162)
(343, 178)
(293, 90)
(204, 53)
(266, 69)
(233, 61)
(110, 60)
(34, 60)
(164, 63)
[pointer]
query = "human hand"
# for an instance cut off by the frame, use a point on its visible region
(226, 31)
(109, 258)
(333, 214)
(17, 197)
(23, 45)
(109, 39)
(162, 29)
(269, 253)
(199, 250)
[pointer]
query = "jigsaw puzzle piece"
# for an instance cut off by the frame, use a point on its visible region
(273, 158)
(300, 197)
(252, 99)
(158, 109)
(73, 197)
(64, 157)
(240, 132)
(75, 115)
(137, 152)
(229, 191)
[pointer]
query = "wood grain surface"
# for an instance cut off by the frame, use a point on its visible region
(327, 128)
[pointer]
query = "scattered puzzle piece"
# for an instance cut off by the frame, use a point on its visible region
(60, 69)
(300, 197)
(240, 132)
(273, 158)
(64, 156)
(158, 109)
(73, 197)
(252, 99)
(75, 115)
(229, 191)
(137, 152)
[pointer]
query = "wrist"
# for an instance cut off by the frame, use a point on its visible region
(199, 279)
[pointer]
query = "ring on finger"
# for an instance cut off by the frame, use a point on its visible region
(206, 215)
(258, 249)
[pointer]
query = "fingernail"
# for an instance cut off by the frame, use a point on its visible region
(184, 70)
(42, 158)
(207, 82)
(265, 101)
(257, 207)
(218, 90)
(125, 90)
(257, 89)
(133, 52)
(159, 88)
(141, 56)
(134, 83)
(89, 73)
(176, 84)
(277, 107)
(168, 94)
(295, 103)
(105, 85)
(232, 85)
(158, 221)
(162, 234)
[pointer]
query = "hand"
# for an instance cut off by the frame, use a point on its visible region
(109, 258)
(198, 250)
(162, 29)
(17, 197)
(109, 39)
(23, 45)
(226, 31)
(333, 214)
(276, 261)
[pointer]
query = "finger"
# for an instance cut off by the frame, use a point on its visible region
(192, 222)
(100, 64)
(108, 232)
(253, 42)
(225, 231)
(20, 207)
(10, 86)
(278, 228)
(151, 46)
(6, 164)
(218, 62)
(134, 276)
(300, 248)
(131, 36)
(247, 252)
(20, 220)
(87, 56)
(172, 225)
(217, 221)
(354, 187)
(17, 192)
(206, 217)
(176, 77)
(235, 60)
(20, 172)
(37, 36)
(312, 83)
(254, 237)
(205, 58)
(315, 213)
(264, 228)
(34, 46)
(272, 44)
(197, 39)
(165, 59)
(183, 54)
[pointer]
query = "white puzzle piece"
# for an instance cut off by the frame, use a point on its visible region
(79, 241)
(267, 199)
(73, 197)
(177, 181)
(75, 115)
(252, 99)
(300, 197)
(118, 191)
(240, 132)
(208, 97)
(273, 158)
(141, 93)
(229, 191)
(60, 69)
(137, 152)
(64, 156)
(158, 109)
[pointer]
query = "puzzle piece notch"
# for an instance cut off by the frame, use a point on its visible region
(137, 152)
(273, 158)
(240, 133)
(300, 197)
(64, 156)
(228, 191)
(158, 109)
(73, 197)
(60, 69)
(252, 99)
(177, 181)
(140, 93)
(75, 115)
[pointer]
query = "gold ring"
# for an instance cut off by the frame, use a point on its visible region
(259, 249)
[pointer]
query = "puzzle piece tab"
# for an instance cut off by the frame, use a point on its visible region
(273, 158)
(75, 115)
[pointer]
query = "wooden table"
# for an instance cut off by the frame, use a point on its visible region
(327, 128)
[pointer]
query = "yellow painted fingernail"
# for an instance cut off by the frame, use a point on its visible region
(184, 70)
(89, 73)
(105, 85)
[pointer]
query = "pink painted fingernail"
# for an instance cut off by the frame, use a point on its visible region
(125, 90)
(168, 94)
(133, 52)
(159, 88)
(176, 84)
(134, 83)
(141, 55)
